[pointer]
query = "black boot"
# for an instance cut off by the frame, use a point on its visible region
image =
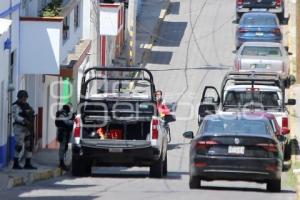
(63, 166)
(28, 164)
(16, 164)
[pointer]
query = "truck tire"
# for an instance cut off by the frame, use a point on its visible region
(80, 167)
(165, 169)
(157, 169)
(274, 185)
(287, 152)
(195, 182)
(281, 17)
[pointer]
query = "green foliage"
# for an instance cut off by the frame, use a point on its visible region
(53, 9)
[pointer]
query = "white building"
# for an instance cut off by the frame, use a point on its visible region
(9, 54)
(52, 52)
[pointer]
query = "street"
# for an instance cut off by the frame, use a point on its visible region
(194, 48)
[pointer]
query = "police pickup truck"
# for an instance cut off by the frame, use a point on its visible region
(246, 91)
(117, 122)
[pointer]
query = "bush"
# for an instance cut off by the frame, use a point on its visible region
(53, 9)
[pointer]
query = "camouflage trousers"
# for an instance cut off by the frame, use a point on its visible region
(22, 135)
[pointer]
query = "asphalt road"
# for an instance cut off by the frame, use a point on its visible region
(194, 49)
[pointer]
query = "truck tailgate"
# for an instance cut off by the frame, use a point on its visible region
(259, 4)
(123, 144)
(257, 64)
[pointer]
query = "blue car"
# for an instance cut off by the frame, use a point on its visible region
(258, 27)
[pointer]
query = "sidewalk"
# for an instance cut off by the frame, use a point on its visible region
(152, 14)
(45, 160)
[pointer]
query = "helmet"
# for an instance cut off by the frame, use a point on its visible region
(22, 93)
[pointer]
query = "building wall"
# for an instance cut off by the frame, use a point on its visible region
(75, 35)
(4, 57)
(9, 9)
(86, 19)
(51, 91)
(44, 40)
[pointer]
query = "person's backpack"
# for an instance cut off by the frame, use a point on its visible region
(58, 119)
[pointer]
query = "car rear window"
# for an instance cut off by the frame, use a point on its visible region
(235, 126)
(264, 99)
(259, 20)
(261, 51)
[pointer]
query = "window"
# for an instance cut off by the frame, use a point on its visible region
(263, 98)
(261, 51)
(11, 68)
(235, 126)
(76, 17)
(66, 28)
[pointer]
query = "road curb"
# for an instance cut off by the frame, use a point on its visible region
(154, 34)
(33, 177)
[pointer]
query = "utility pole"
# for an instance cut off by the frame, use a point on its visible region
(298, 40)
(95, 33)
(131, 27)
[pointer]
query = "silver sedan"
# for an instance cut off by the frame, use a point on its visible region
(262, 57)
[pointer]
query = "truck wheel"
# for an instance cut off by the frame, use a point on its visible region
(274, 185)
(281, 17)
(80, 166)
(165, 169)
(195, 182)
(157, 169)
(287, 152)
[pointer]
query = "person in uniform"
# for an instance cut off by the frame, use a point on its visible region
(23, 121)
(64, 123)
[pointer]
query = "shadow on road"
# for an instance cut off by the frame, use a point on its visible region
(176, 146)
(174, 8)
(241, 189)
(171, 34)
(160, 57)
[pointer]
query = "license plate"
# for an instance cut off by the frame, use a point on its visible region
(115, 150)
(236, 150)
(259, 9)
(259, 34)
(259, 66)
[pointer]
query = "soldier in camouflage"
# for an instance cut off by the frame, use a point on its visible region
(23, 116)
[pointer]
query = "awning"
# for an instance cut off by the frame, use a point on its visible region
(4, 25)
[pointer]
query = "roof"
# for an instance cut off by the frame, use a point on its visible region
(4, 25)
(257, 115)
(262, 87)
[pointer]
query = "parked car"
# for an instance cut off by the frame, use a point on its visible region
(238, 146)
(262, 57)
(258, 26)
(118, 125)
(273, 6)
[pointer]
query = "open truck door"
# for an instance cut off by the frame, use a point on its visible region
(210, 102)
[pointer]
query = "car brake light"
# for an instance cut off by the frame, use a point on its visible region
(242, 30)
(205, 144)
(285, 122)
(200, 164)
(155, 129)
(276, 31)
(271, 167)
(278, 2)
(268, 147)
(240, 2)
(77, 127)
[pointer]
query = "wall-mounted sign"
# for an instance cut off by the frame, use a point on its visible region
(7, 44)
